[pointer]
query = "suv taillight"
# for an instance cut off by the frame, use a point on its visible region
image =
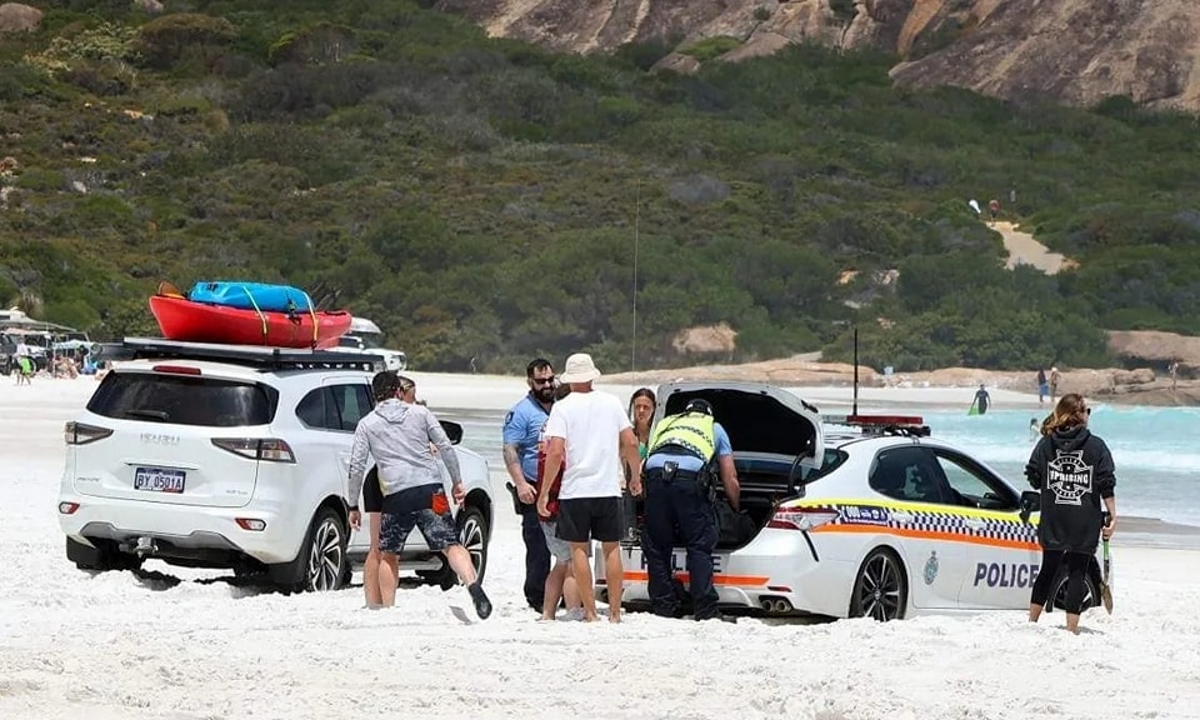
(801, 518)
(269, 449)
(77, 433)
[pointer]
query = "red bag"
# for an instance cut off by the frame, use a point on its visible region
(552, 505)
(440, 504)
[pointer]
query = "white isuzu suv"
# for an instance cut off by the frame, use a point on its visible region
(235, 457)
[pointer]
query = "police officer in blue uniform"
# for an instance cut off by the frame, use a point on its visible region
(522, 438)
(687, 452)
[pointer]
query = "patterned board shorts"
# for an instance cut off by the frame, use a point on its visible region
(439, 530)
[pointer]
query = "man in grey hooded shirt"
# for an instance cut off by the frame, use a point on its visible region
(397, 433)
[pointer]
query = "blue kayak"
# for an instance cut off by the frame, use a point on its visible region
(251, 296)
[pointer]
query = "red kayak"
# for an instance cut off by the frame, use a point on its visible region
(182, 319)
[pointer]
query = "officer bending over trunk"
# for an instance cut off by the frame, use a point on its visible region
(685, 454)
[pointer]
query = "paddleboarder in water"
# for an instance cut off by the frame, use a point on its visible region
(982, 400)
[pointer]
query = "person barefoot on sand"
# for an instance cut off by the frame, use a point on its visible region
(591, 433)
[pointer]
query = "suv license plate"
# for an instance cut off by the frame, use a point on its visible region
(159, 480)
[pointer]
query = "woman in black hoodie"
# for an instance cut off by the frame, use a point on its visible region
(1073, 469)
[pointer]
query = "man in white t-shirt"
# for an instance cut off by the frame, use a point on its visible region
(591, 433)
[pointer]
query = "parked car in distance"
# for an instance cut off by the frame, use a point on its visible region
(364, 337)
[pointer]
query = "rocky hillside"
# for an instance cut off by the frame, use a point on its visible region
(1075, 51)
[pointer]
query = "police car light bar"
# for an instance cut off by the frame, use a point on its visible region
(876, 420)
(910, 425)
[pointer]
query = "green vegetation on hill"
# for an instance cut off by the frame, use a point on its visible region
(481, 198)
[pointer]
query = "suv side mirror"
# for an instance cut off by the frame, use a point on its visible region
(454, 431)
(1031, 502)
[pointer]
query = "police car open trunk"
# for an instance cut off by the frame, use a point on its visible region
(777, 443)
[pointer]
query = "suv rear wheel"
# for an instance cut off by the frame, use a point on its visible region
(321, 564)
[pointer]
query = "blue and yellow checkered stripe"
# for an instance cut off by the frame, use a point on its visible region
(920, 520)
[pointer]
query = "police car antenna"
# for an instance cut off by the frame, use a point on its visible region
(637, 215)
(855, 412)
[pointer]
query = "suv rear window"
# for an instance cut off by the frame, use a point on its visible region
(183, 400)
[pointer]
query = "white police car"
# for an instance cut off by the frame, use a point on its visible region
(873, 518)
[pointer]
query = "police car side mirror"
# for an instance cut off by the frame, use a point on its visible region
(1031, 502)
(454, 431)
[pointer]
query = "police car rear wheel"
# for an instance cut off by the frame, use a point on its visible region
(881, 588)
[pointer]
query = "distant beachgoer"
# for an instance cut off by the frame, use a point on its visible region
(1073, 469)
(25, 364)
(1174, 374)
(994, 209)
(1054, 378)
(1043, 386)
(982, 400)
(1035, 428)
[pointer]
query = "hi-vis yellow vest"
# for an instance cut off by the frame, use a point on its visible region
(693, 432)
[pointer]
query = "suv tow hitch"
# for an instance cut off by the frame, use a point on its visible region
(145, 546)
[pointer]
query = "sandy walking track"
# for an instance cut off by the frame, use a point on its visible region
(1024, 249)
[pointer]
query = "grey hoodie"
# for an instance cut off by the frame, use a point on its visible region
(397, 435)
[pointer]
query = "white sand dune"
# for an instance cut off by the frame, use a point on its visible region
(115, 646)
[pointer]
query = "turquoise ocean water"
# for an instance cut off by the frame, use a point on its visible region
(1156, 450)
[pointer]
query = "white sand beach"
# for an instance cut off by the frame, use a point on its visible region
(116, 646)
(496, 392)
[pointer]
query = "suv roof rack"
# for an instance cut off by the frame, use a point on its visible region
(255, 356)
(905, 425)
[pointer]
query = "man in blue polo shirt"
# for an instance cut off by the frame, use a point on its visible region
(522, 434)
(687, 453)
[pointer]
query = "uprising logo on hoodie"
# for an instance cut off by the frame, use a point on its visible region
(1069, 478)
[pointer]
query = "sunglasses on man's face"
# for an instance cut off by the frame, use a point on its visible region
(543, 381)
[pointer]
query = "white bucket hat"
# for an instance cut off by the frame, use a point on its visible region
(579, 369)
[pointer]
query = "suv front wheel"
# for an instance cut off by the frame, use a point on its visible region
(321, 564)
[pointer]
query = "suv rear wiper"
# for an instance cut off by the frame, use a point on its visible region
(150, 414)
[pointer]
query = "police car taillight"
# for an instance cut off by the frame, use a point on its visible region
(796, 518)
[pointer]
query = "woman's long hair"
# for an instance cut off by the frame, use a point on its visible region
(1071, 411)
(646, 393)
